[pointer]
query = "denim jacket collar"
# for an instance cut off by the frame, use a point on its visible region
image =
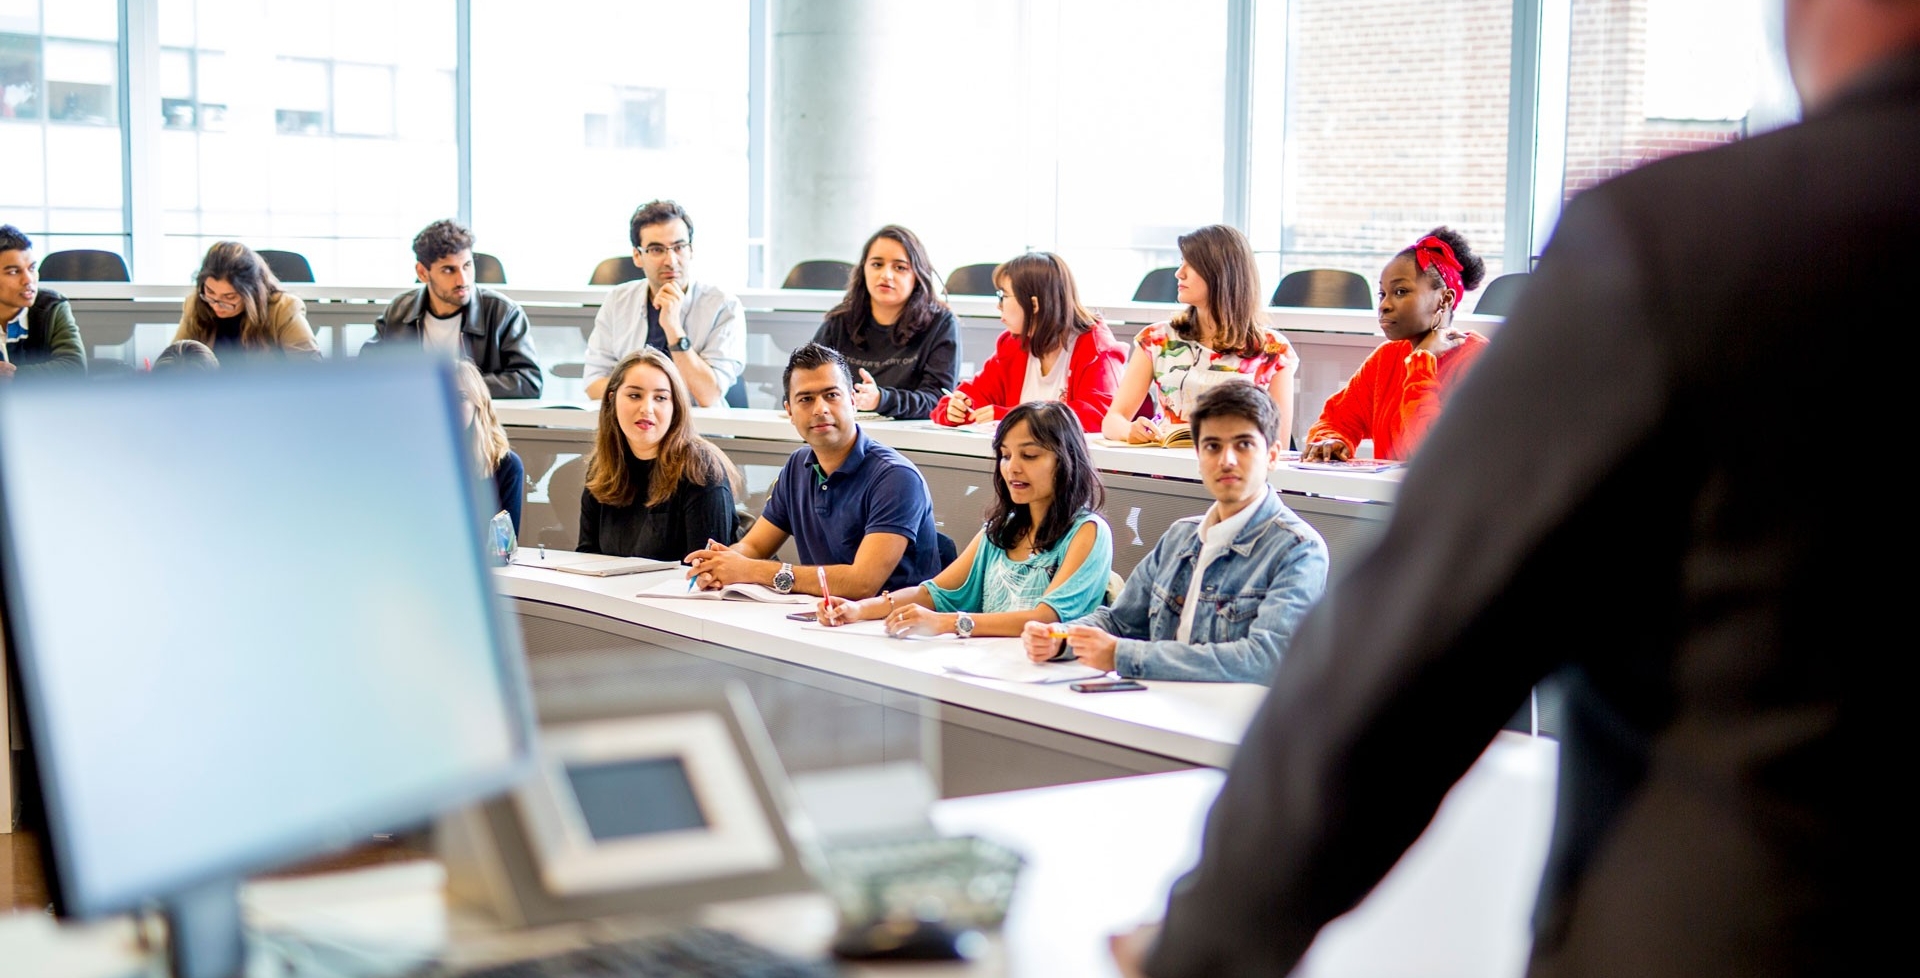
(1259, 525)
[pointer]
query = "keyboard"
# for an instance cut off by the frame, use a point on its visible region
(696, 952)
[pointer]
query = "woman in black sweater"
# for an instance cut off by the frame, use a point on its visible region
(893, 328)
(655, 488)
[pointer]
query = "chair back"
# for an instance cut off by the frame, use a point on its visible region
(972, 280)
(487, 269)
(1323, 288)
(819, 274)
(83, 265)
(617, 270)
(1159, 285)
(1500, 294)
(288, 266)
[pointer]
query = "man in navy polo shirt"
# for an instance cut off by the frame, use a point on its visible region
(852, 505)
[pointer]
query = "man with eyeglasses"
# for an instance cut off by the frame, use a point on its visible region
(40, 333)
(700, 326)
(452, 315)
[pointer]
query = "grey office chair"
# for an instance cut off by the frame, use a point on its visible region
(288, 266)
(487, 269)
(618, 270)
(972, 280)
(1498, 298)
(1159, 285)
(1323, 288)
(84, 265)
(821, 274)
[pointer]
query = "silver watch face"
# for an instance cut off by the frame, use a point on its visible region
(783, 580)
(963, 623)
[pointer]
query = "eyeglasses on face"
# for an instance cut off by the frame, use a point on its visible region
(229, 301)
(680, 248)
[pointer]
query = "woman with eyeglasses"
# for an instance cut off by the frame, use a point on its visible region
(1053, 350)
(239, 308)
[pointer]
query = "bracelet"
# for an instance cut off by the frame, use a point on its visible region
(889, 596)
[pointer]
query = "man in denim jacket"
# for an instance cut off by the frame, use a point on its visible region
(1219, 596)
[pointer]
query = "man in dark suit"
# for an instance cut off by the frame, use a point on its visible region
(1632, 492)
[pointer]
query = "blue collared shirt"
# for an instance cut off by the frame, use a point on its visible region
(876, 490)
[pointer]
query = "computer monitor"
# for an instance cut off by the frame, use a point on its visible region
(253, 622)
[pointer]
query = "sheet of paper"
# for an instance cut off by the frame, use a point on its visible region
(1000, 665)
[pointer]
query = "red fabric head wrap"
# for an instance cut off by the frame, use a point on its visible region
(1431, 252)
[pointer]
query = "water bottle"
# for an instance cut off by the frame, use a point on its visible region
(500, 539)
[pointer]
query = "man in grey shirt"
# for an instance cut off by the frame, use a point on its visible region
(701, 327)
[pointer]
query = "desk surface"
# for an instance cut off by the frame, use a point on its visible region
(1101, 858)
(1200, 723)
(925, 436)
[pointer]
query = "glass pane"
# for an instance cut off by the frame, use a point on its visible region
(88, 170)
(19, 77)
(176, 89)
(1373, 157)
(551, 97)
(81, 82)
(96, 20)
(362, 100)
(25, 185)
(20, 16)
(1651, 80)
(175, 24)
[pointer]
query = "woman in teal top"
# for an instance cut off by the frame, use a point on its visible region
(1043, 555)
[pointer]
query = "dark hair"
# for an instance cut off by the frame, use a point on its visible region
(185, 356)
(238, 266)
(1473, 270)
(440, 239)
(13, 239)
(813, 356)
(657, 212)
(1076, 485)
(1043, 287)
(1223, 259)
(855, 310)
(1244, 401)
(683, 453)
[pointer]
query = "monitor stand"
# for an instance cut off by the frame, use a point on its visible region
(204, 938)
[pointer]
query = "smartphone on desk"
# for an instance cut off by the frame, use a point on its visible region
(804, 616)
(1106, 686)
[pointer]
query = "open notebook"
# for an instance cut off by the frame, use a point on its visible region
(593, 565)
(676, 588)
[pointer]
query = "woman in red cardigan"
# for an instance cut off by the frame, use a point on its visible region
(1396, 395)
(1053, 350)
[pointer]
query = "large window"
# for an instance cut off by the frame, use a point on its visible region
(578, 119)
(60, 123)
(1390, 120)
(325, 129)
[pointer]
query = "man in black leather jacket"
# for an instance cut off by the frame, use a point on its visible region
(451, 314)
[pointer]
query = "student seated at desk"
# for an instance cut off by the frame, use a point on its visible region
(854, 507)
(893, 329)
(238, 308)
(1043, 555)
(655, 488)
(1220, 595)
(449, 314)
(1397, 393)
(1053, 350)
(499, 465)
(185, 356)
(1221, 338)
(41, 336)
(700, 326)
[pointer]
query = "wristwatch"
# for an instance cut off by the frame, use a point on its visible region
(963, 625)
(783, 579)
(682, 345)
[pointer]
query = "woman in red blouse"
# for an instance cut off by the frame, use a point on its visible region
(1397, 394)
(1053, 350)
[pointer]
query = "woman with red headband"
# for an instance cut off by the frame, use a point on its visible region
(1396, 395)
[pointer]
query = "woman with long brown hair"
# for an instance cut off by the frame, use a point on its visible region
(655, 488)
(898, 336)
(1221, 337)
(238, 307)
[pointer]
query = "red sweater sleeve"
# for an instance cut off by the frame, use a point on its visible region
(1093, 375)
(1348, 414)
(1429, 381)
(998, 383)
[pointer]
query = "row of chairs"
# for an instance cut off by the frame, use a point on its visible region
(1313, 288)
(88, 265)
